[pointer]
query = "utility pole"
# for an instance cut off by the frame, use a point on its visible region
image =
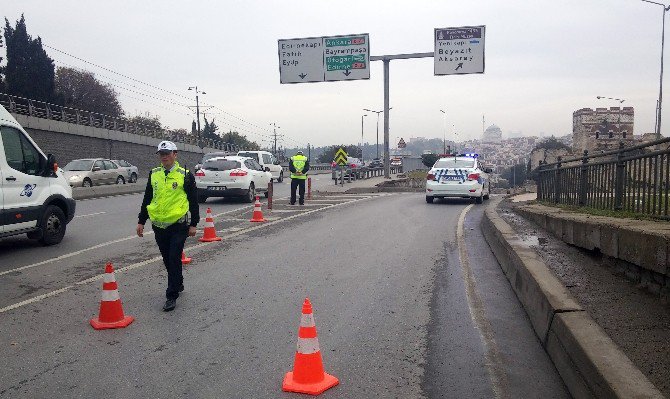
(309, 152)
(660, 91)
(445, 131)
(197, 111)
(274, 151)
(362, 116)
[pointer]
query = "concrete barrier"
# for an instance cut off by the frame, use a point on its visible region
(80, 193)
(589, 362)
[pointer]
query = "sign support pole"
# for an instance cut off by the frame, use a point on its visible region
(387, 61)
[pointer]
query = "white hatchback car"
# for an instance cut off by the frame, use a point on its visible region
(459, 176)
(231, 176)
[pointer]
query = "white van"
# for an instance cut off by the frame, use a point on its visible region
(35, 197)
(268, 162)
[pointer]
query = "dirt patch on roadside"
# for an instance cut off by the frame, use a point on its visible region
(636, 320)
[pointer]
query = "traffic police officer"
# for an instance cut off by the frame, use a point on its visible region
(169, 198)
(298, 165)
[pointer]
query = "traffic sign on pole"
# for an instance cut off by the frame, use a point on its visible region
(459, 51)
(340, 157)
(324, 59)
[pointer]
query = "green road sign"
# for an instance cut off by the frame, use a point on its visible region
(340, 157)
(345, 62)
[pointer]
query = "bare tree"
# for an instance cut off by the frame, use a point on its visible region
(80, 89)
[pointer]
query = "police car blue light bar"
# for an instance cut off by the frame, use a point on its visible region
(470, 155)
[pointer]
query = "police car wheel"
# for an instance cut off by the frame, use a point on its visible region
(430, 199)
(479, 199)
(52, 225)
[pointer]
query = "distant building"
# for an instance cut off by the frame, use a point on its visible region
(602, 128)
(492, 134)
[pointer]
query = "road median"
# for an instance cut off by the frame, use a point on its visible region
(589, 362)
(81, 193)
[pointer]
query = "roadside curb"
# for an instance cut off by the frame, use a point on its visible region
(589, 362)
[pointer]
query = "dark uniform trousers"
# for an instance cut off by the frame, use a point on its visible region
(300, 185)
(171, 242)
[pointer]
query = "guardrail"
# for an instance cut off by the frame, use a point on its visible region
(634, 179)
(42, 109)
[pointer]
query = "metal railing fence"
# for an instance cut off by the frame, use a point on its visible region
(42, 109)
(634, 179)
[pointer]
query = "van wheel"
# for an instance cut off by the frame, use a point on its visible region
(87, 182)
(52, 225)
(120, 180)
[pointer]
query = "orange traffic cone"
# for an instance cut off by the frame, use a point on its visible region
(258, 213)
(111, 312)
(210, 232)
(308, 375)
(184, 259)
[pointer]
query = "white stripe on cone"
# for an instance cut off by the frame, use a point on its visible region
(108, 278)
(110, 295)
(307, 320)
(307, 346)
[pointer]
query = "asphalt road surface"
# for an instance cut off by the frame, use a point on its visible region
(408, 302)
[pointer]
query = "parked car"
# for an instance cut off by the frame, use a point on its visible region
(266, 160)
(353, 168)
(35, 197)
(461, 176)
(95, 171)
(231, 176)
(376, 163)
(131, 170)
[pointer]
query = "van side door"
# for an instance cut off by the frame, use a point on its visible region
(24, 190)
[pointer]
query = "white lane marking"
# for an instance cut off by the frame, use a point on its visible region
(159, 258)
(71, 254)
(493, 358)
(90, 214)
(101, 245)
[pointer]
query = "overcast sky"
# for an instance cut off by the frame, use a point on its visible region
(544, 59)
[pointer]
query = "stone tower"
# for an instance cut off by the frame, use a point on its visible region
(602, 128)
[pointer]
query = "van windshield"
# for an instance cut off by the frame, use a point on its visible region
(221, 164)
(79, 164)
(251, 155)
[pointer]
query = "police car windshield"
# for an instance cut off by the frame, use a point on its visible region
(221, 164)
(252, 155)
(455, 163)
(80, 164)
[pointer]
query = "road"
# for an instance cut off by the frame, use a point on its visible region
(408, 303)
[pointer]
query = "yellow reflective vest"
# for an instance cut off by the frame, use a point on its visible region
(299, 163)
(169, 203)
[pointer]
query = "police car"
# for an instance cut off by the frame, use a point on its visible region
(458, 176)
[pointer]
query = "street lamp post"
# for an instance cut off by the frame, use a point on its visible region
(197, 111)
(445, 131)
(362, 116)
(377, 112)
(660, 90)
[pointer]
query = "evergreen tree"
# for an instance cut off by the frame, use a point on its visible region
(29, 71)
(209, 131)
(2, 69)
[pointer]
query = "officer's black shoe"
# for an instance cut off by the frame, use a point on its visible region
(302, 203)
(170, 304)
(181, 288)
(292, 203)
